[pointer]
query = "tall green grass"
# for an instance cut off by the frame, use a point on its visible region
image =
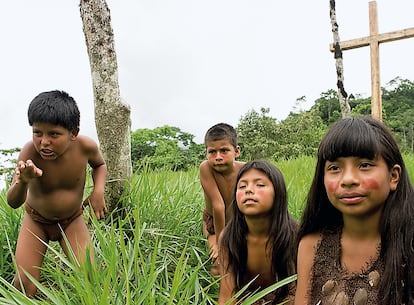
(155, 254)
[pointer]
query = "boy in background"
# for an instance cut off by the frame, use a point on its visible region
(218, 178)
(49, 180)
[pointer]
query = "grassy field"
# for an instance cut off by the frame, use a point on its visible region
(155, 255)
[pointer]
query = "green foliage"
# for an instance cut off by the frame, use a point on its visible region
(327, 107)
(262, 137)
(257, 134)
(8, 163)
(9, 229)
(164, 147)
(398, 111)
(299, 134)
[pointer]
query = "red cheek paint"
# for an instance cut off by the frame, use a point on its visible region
(370, 184)
(239, 196)
(331, 186)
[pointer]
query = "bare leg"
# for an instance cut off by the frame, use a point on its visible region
(30, 252)
(79, 239)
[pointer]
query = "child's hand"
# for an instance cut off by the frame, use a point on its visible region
(26, 171)
(98, 205)
(214, 252)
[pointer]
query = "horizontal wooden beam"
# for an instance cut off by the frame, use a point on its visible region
(365, 41)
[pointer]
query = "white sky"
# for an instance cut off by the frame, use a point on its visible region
(191, 63)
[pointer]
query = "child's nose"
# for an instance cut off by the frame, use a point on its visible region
(349, 176)
(248, 189)
(45, 141)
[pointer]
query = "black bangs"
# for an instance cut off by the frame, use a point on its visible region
(350, 138)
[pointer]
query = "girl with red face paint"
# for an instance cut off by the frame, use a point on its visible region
(257, 245)
(355, 241)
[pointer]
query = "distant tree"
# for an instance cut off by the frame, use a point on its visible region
(112, 115)
(257, 135)
(263, 137)
(327, 107)
(299, 134)
(398, 110)
(164, 147)
(8, 163)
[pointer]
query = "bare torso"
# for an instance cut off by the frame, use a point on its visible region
(259, 262)
(58, 193)
(225, 184)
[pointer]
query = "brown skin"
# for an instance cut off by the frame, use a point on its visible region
(218, 178)
(50, 177)
(254, 196)
(358, 188)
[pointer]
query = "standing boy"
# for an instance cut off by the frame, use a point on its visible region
(218, 178)
(49, 180)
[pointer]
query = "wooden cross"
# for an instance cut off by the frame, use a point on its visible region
(373, 40)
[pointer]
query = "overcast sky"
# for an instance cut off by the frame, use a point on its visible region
(192, 63)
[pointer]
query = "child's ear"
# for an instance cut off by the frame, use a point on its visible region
(75, 132)
(237, 150)
(395, 176)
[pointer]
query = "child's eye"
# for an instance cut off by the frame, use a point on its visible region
(242, 186)
(332, 168)
(366, 164)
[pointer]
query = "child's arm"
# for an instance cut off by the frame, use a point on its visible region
(306, 254)
(227, 280)
(25, 171)
(213, 196)
(99, 170)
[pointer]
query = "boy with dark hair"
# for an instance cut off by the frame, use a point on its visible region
(218, 177)
(49, 180)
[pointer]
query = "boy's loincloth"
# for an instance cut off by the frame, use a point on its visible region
(208, 220)
(52, 228)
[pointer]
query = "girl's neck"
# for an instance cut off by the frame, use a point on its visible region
(367, 228)
(258, 226)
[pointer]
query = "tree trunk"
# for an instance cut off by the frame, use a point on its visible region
(342, 95)
(112, 115)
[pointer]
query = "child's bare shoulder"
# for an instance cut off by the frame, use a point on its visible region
(309, 242)
(204, 166)
(87, 144)
(239, 164)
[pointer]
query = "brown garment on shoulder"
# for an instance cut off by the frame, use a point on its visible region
(332, 284)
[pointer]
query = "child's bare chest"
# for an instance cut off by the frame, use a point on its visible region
(226, 187)
(259, 263)
(63, 175)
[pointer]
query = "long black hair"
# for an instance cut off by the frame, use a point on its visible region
(281, 234)
(369, 138)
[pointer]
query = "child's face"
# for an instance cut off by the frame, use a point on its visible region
(358, 187)
(51, 141)
(221, 155)
(255, 193)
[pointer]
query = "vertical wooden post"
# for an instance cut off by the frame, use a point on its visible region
(373, 40)
(376, 102)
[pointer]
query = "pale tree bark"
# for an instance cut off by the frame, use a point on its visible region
(112, 115)
(342, 95)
